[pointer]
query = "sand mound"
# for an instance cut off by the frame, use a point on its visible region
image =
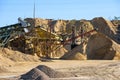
(35, 74)
(18, 56)
(117, 48)
(104, 26)
(4, 62)
(38, 21)
(117, 56)
(74, 56)
(101, 47)
(87, 26)
(3, 69)
(60, 26)
(52, 73)
(9, 57)
(75, 53)
(58, 52)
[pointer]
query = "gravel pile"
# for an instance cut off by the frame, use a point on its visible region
(43, 72)
(35, 74)
(52, 73)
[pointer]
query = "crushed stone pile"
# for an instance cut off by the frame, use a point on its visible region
(35, 74)
(101, 47)
(53, 73)
(43, 72)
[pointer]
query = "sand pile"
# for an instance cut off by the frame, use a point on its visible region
(117, 48)
(3, 69)
(4, 62)
(74, 56)
(9, 57)
(104, 26)
(87, 26)
(58, 51)
(18, 56)
(101, 47)
(117, 56)
(76, 53)
(60, 26)
(38, 21)
(57, 26)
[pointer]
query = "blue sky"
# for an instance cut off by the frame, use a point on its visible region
(10, 10)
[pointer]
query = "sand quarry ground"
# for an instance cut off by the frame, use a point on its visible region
(17, 66)
(83, 70)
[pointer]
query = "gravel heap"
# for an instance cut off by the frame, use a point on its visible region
(52, 73)
(35, 74)
(43, 72)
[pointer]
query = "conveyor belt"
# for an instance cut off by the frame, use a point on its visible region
(7, 32)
